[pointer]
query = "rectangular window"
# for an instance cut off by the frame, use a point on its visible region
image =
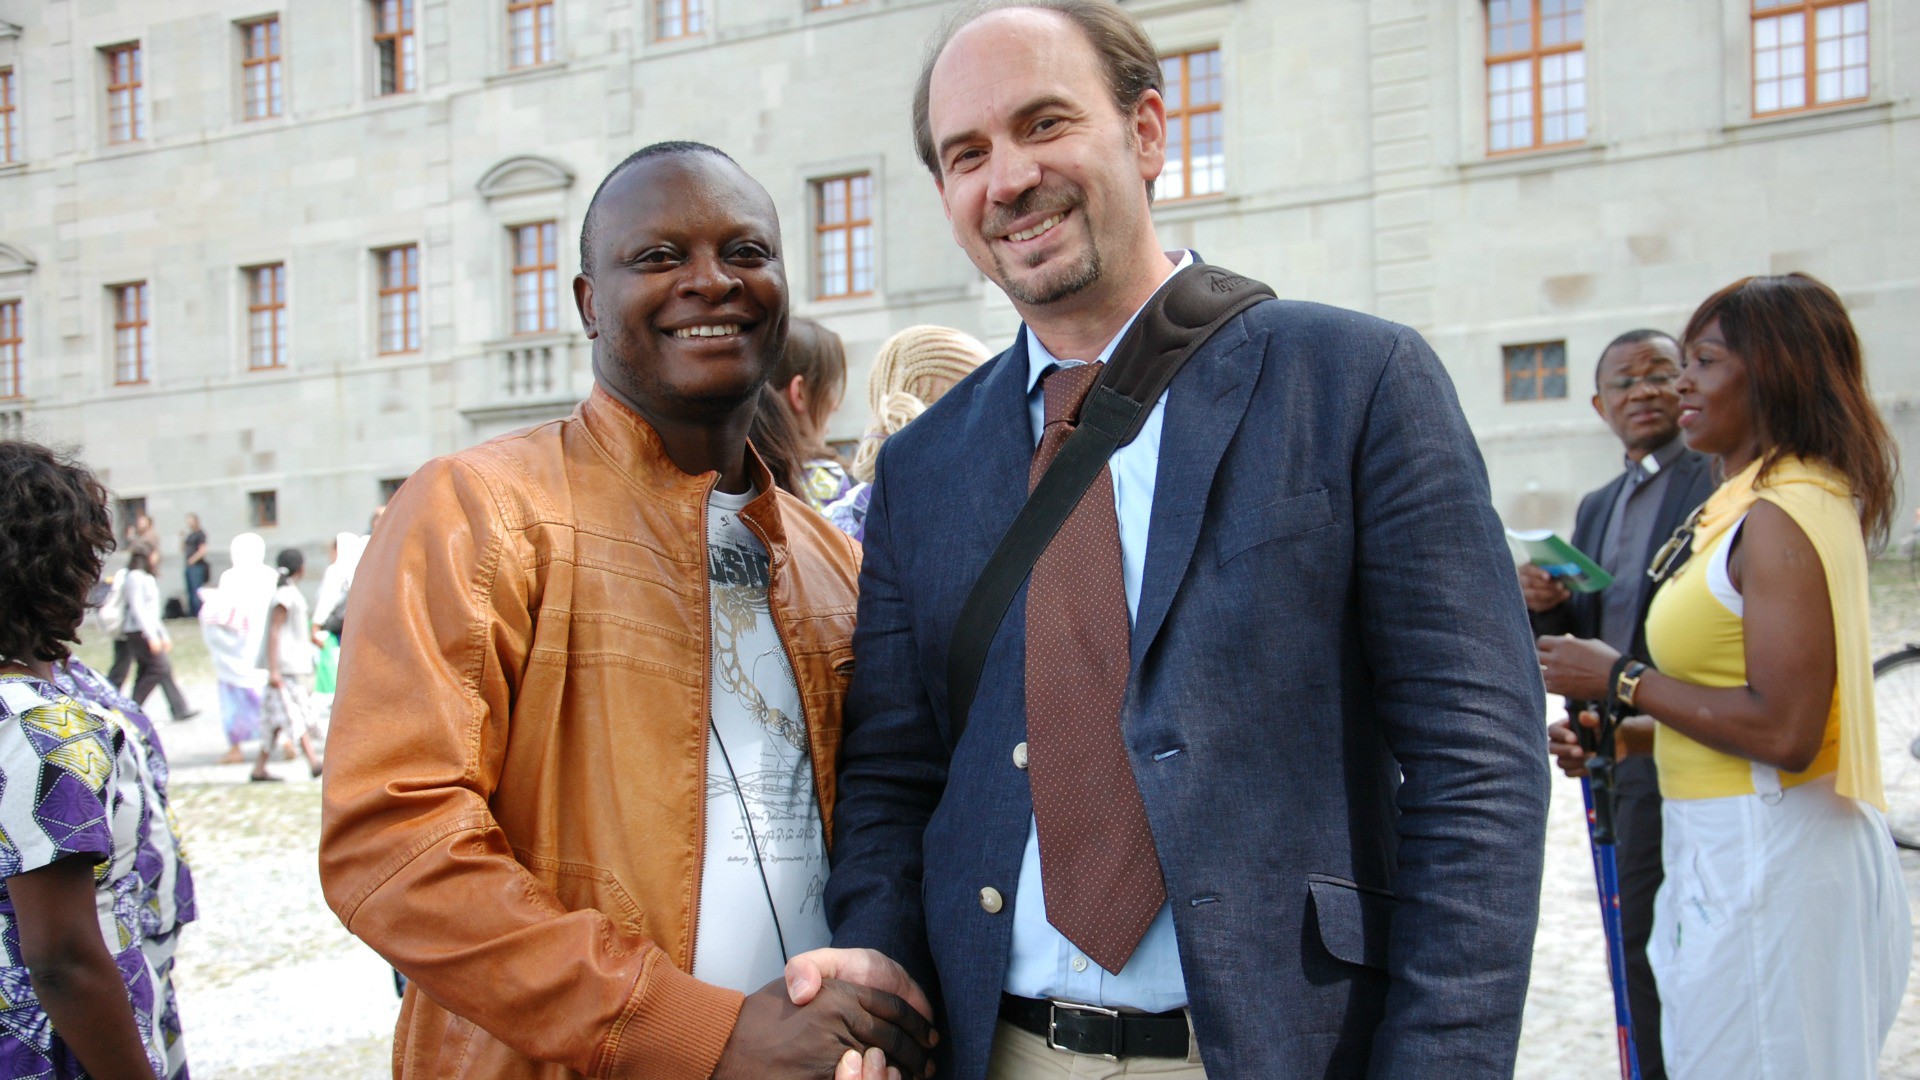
(1536, 372)
(530, 24)
(1808, 53)
(10, 341)
(126, 97)
(536, 278)
(395, 46)
(263, 508)
(132, 336)
(390, 487)
(819, 4)
(129, 511)
(843, 236)
(9, 120)
(399, 299)
(267, 317)
(678, 19)
(1196, 145)
(262, 90)
(1536, 74)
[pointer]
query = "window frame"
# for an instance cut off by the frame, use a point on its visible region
(1810, 73)
(263, 508)
(1535, 55)
(409, 305)
(135, 91)
(13, 342)
(847, 225)
(1541, 372)
(9, 116)
(141, 324)
(545, 49)
(544, 272)
(272, 65)
(275, 309)
(404, 39)
(691, 13)
(1185, 114)
(832, 5)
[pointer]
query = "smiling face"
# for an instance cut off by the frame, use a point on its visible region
(1645, 414)
(1042, 177)
(1716, 404)
(686, 300)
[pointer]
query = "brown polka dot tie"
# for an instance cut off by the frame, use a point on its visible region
(1098, 865)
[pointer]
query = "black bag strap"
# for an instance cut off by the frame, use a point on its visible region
(1180, 318)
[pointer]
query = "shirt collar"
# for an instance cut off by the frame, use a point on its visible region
(1040, 361)
(1661, 457)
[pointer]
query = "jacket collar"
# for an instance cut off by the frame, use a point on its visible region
(635, 451)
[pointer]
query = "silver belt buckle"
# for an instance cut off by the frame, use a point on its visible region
(1053, 1024)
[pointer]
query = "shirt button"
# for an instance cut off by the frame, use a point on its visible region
(1019, 755)
(990, 901)
(1079, 963)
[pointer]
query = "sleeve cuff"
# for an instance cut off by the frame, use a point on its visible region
(674, 1026)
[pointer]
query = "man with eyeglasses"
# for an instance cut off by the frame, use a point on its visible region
(1621, 525)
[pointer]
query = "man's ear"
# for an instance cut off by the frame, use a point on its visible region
(1149, 123)
(1601, 409)
(583, 300)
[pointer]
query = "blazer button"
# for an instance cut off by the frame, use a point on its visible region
(1019, 755)
(990, 901)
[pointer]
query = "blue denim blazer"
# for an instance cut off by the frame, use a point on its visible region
(1335, 715)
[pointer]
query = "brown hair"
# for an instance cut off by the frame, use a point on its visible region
(1807, 384)
(56, 535)
(773, 437)
(1127, 55)
(817, 355)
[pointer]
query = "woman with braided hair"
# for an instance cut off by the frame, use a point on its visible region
(911, 371)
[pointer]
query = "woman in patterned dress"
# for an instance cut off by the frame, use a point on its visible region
(93, 887)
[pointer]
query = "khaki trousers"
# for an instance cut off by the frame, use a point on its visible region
(1022, 1055)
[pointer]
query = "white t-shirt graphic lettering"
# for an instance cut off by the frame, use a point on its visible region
(758, 729)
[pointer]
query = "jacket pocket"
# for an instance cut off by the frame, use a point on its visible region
(582, 887)
(1354, 920)
(1275, 521)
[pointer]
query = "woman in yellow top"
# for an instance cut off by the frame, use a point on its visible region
(1782, 935)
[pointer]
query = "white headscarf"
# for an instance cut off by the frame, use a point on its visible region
(246, 591)
(347, 547)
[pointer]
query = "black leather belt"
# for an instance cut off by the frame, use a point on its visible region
(1090, 1029)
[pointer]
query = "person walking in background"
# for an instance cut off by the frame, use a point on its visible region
(148, 643)
(232, 625)
(1777, 858)
(94, 888)
(193, 547)
(1621, 525)
(331, 596)
(809, 383)
(287, 655)
(910, 372)
(144, 539)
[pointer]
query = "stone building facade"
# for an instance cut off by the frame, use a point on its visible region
(266, 266)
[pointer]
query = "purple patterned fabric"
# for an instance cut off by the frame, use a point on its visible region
(83, 775)
(849, 511)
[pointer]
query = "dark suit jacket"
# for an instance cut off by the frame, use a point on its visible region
(1335, 715)
(1688, 486)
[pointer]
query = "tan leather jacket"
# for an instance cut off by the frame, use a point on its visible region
(515, 784)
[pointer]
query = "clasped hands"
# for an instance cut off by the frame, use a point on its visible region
(852, 1014)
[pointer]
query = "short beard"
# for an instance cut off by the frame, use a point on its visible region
(1065, 282)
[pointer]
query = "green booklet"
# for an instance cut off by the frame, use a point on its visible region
(1565, 562)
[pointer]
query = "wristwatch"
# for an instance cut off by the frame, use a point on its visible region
(1627, 683)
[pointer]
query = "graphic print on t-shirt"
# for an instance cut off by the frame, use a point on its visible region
(756, 756)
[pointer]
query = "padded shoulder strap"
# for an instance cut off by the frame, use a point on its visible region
(1180, 318)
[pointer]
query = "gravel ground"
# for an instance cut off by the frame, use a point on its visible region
(272, 986)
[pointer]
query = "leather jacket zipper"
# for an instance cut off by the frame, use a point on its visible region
(706, 720)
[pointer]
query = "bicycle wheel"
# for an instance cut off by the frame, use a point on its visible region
(1896, 705)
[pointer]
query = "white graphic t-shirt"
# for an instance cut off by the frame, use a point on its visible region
(756, 756)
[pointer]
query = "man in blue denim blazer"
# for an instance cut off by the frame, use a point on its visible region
(1333, 713)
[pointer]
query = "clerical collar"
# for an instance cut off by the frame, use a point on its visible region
(1660, 458)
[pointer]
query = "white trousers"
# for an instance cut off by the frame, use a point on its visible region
(1781, 936)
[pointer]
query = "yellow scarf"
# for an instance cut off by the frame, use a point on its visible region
(1820, 501)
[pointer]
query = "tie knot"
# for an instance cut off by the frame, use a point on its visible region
(1065, 388)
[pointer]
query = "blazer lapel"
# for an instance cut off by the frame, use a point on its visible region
(1205, 405)
(999, 445)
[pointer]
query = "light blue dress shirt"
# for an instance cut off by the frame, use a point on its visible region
(1043, 963)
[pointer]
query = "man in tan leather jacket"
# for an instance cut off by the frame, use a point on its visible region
(518, 792)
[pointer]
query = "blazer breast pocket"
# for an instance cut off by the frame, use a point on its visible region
(1289, 516)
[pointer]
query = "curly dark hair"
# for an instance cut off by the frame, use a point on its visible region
(54, 536)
